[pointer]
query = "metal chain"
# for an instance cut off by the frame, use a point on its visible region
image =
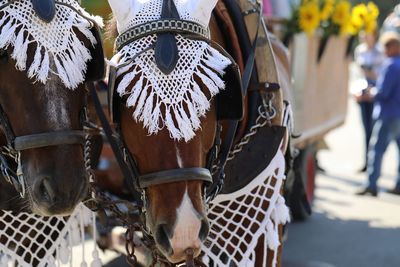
(267, 113)
(12, 177)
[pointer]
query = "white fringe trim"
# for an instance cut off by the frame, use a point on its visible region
(182, 114)
(70, 61)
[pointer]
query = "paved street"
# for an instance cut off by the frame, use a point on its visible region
(347, 230)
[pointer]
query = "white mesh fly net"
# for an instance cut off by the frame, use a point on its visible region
(58, 48)
(238, 220)
(28, 240)
(175, 101)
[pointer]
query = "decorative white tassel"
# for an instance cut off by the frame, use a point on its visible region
(124, 84)
(147, 111)
(219, 61)
(169, 123)
(185, 124)
(206, 260)
(272, 236)
(140, 104)
(154, 127)
(88, 34)
(64, 252)
(33, 69)
(217, 80)
(202, 103)
(194, 117)
(74, 231)
(96, 260)
(20, 50)
(210, 84)
(87, 216)
(281, 213)
(51, 262)
(7, 33)
(248, 263)
(44, 70)
(62, 73)
(4, 261)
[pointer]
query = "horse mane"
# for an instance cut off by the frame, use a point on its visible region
(111, 31)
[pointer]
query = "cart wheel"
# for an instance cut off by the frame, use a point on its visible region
(302, 193)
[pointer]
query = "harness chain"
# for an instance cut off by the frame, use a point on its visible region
(266, 113)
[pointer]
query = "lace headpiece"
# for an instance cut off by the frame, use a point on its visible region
(58, 48)
(175, 100)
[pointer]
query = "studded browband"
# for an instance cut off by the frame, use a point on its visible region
(160, 26)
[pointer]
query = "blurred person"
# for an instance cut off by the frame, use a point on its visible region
(369, 57)
(392, 22)
(386, 113)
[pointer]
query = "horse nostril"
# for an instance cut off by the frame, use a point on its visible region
(46, 191)
(162, 239)
(205, 228)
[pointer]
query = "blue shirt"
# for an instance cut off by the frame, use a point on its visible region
(387, 98)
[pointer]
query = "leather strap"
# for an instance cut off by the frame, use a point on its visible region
(166, 49)
(175, 26)
(32, 141)
(5, 124)
(227, 143)
(129, 170)
(177, 175)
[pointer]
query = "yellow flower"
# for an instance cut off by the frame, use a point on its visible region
(373, 10)
(359, 15)
(327, 9)
(349, 28)
(371, 25)
(309, 17)
(341, 14)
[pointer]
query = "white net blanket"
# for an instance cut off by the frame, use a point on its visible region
(175, 101)
(240, 219)
(58, 48)
(28, 240)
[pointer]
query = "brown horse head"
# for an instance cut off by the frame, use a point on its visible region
(175, 208)
(54, 175)
(175, 212)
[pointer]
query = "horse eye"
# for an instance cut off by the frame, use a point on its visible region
(3, 56)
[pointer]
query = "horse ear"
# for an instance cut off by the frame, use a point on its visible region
(122, 10)
(201, 10)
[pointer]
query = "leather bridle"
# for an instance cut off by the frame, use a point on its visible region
(17, 144)
(218, 155)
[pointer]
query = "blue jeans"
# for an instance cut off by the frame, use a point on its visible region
(366, 109)
(383, 133)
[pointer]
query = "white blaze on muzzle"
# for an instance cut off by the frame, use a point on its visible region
(175, 100)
